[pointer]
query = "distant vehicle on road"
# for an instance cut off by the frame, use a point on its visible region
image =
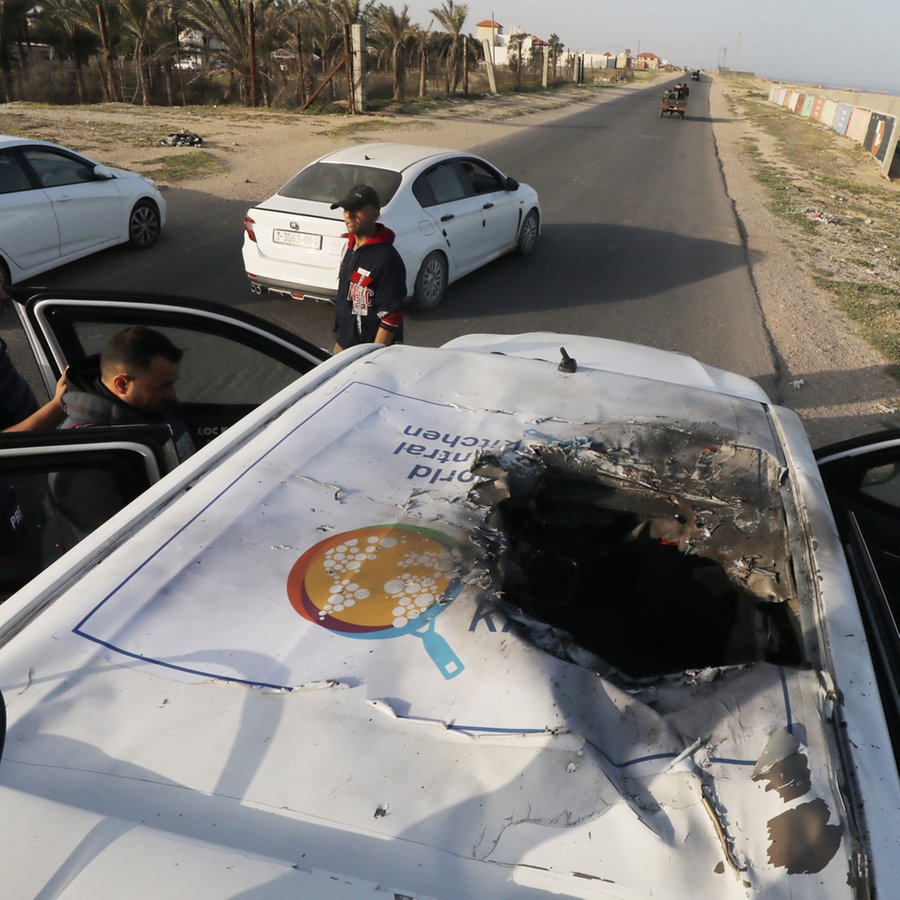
(674, 103)
(695, 75)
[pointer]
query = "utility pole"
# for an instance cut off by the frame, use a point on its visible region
(465, 65)
(251, 33)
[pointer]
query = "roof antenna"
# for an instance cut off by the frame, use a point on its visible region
(566, 364)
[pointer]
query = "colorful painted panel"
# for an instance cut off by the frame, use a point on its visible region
(816, 112)
(859, 124)
(829, 110)
(807, 105)
(842, 118)
(878, 134)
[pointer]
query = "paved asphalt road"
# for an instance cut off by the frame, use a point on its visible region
(639, 243)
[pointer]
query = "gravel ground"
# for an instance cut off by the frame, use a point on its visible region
(835, 381)
(831, 377)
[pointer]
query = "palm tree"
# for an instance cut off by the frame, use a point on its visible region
(555, 48)
(144, 22)
(514, 56)
(391, 31)
(420, 39)
(228, 21)
(71, 28)
(13, 30)
(452, 17)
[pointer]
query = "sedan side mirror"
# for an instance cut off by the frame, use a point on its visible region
(512, 184)
(101, 171)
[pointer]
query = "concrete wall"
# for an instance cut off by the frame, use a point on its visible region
(872, 120)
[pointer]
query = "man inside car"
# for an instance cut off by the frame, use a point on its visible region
(132, 383)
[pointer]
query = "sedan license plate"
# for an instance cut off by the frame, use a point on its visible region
(298, 239)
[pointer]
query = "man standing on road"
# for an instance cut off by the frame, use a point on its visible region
(372, 279)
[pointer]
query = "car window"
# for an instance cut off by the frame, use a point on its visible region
(440, 184)
(482, 178)
(215, 369)
(51, 497)
(56, 169)
(882, 482)
(328, 182)
(864, 492)
(12, 178)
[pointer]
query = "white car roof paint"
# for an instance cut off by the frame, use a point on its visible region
(176, 724)
(606, 354)
(387, 156)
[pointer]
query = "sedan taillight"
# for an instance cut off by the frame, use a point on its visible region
(248, 227)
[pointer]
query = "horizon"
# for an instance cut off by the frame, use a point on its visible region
(818, 38)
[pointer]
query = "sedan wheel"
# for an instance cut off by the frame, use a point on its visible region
(528, 233)
(143, 225)
(431, 282)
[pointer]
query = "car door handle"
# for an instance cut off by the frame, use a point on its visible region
(488, 206)
(448, 217)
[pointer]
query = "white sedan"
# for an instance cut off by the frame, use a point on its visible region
(57, 206)
(452, 212)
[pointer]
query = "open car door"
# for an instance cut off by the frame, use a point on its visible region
(56, 487)
(232, 362)
(862, 477)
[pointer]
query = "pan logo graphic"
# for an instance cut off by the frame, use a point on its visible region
(381, 581)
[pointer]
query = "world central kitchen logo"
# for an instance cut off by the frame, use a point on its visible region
(381, 581)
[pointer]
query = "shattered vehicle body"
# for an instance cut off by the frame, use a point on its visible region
(485, 620)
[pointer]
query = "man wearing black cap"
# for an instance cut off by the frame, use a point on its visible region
(372, 279)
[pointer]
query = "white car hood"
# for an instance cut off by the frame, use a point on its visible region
(244, 674)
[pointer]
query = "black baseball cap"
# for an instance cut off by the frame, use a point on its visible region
(358, 197)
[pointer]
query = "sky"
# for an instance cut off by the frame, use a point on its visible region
(831, 43)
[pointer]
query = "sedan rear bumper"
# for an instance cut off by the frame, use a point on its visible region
(260, 285)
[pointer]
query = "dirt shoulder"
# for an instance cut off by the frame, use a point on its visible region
(256, 151)
(835, 381)
(830, 376)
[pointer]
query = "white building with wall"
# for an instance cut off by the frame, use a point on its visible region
(492, 36)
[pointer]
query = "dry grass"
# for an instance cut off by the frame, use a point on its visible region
(840, 215)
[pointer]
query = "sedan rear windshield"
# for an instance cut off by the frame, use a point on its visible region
(328, 182)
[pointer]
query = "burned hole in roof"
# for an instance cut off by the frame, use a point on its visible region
(664, 554)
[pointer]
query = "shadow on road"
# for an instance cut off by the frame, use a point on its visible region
(625, 264)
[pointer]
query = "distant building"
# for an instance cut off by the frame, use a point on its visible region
(497, 41)
(647, 61)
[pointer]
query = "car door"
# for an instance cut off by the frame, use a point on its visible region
(88, 209)
(500, 206)
(56, 487)
(455, 213)
(862, 478)
(29, 234)
(232, 361)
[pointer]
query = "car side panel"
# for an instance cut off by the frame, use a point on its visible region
(29, 234)
(502, 212)
(90, 216)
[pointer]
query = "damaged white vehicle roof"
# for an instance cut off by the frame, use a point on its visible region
(486, 620)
